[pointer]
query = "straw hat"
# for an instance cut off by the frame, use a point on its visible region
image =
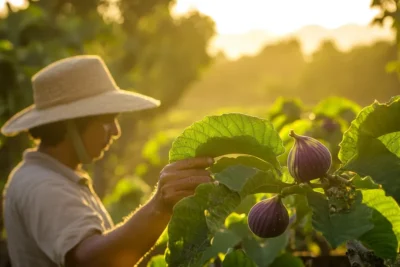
(75, 87)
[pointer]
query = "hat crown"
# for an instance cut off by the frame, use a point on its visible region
(71, 79)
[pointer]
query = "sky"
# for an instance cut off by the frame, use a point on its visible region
(279, 17)
(245, 26)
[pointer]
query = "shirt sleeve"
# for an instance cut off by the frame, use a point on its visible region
(59, 216)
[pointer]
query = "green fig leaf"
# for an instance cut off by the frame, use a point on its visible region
(237, 258)
(187, 244)
(231, 133)
(372, 121)
(364, 182)
(250, 161)
(340, 227)
(258, 181)
(237, 223)
(221, 242)
(376, 161)
(384, 238)
(264, 253)
(370, 146)
(391, 142)
(157, 261)
(287, 260)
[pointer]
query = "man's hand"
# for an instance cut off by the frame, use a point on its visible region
(180, 179)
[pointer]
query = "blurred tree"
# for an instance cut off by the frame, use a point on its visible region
(389, 10)
(250, 80)
(280, 70)
(358, 74)
(389, 13)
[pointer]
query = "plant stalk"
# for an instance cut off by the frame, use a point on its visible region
(360, 256)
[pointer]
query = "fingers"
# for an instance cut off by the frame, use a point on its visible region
(180, 179)
(169, 176)
(189, 183)
(191, 163)
(174, 191)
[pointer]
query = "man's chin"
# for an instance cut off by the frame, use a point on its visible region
(98, 157)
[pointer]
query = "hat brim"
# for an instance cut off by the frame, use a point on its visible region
(117, 101)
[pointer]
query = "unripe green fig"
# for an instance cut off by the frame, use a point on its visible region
(268, 218)
(308, 159)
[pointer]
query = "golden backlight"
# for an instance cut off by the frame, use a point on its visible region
(13, 2)
(279, 17)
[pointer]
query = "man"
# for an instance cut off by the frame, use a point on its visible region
(52, 215)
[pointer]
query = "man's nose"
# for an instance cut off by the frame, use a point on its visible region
(115, 129)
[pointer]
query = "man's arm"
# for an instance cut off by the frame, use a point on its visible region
(128, 243)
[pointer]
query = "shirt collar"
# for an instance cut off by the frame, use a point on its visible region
(33, 155)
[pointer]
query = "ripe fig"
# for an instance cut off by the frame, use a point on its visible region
(268, 218)
(308, 159)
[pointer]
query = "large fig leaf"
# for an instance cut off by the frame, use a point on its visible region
(340, 227)
(264, 253)
(370, 146)
(237, 223)
(260, 181)
(250, 161)
(374, 159)
(364, 182)
(391, 141)
(231, 133)
(157, 261)
(384, 238)
(237, 258)
(221, 242)
(197, 218)
(287, 260)
(373, 121)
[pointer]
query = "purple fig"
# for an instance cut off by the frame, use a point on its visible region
(308, 159)
(268, 218)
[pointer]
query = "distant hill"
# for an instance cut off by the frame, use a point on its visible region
(281, 69)
(310, 37)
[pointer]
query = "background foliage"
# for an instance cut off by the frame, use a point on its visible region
(154, 53)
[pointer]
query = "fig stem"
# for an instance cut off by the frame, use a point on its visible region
(317, 185)
(359, 255)
(293, 134)
(338, 178)
(300, 189)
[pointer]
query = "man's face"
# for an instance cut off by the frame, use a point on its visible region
(99, 134)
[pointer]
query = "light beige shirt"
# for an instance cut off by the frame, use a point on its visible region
(48, 209)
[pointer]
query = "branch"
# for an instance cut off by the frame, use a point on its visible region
(360, 256)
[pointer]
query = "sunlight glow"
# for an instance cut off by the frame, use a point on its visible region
(15, 6)
(12, 2)
(279, 17)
